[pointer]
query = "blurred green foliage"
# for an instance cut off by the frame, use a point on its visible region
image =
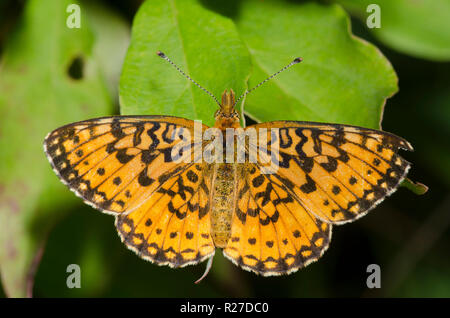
(230, 44)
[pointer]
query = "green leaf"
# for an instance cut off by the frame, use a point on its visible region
(204, 44)
(420, 28)
(48, 79)
(428, 128)
(342, 79)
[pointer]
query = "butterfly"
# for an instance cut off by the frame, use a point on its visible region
(176, 210)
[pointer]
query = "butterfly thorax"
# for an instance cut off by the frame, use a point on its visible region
(270, 219)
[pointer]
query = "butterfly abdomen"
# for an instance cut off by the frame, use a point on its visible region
(223, 197)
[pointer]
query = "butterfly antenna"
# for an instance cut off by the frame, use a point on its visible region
(162, 55)
(295, 61)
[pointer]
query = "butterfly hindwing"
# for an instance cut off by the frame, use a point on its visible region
(173, 226)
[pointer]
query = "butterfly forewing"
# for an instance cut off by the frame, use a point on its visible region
(321, 175)
(337, 172)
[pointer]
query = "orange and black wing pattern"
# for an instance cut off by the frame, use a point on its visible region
(321, 174)
(126, 166)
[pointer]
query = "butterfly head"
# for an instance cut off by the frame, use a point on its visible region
(227, 116)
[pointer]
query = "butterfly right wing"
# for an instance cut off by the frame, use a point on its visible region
(337, 172)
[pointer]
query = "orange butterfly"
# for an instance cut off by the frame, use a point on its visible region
(177, 213)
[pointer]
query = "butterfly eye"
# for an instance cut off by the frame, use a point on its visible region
(174, 205)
